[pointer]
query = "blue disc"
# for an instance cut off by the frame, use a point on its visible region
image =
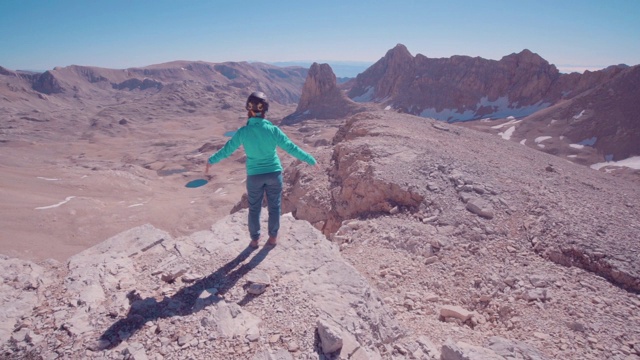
(196, 183)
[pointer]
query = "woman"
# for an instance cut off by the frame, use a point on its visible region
(264, 170)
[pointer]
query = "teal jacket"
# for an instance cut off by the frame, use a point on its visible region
(260, 138)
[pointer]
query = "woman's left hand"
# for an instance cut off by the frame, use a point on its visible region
(316, 169)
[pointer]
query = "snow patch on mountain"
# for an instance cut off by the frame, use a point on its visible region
(540, 139)
(485, 108)
(503, 108)
(512, 121)
(632, 162)
(579, 115)
(449, 115)
(507, 134)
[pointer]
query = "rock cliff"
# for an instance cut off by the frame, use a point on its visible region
(321, 98)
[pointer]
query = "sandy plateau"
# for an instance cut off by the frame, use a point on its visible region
(63, 196)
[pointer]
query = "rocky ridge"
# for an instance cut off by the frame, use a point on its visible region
(601, 125)
(437, 178)
(518, 244)
(605, 118)
(525, 246)
(282, 84)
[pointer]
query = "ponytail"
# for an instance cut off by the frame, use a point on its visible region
(251, 113)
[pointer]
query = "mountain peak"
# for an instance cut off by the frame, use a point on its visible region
(320, 83)
(321, 98)
(525, 56)
(399, 51)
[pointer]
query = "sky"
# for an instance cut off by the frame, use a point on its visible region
(573, 35)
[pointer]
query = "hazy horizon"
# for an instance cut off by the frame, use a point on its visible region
(347, 69)
(124, 34)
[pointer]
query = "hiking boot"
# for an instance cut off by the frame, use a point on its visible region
(273, 240)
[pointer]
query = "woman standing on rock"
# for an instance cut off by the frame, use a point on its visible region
(264, 170)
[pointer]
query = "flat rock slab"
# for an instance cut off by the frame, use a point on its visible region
(139, 278)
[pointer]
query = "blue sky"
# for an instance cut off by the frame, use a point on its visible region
(42, 34)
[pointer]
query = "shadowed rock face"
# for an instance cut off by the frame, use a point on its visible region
(601, 124)
(47, 84)
(132, 84)
(321, 98)
(610, 113)
(6, 72)
(385, 77)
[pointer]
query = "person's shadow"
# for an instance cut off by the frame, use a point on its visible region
(186, 301)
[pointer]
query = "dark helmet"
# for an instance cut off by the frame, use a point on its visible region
(257, 102)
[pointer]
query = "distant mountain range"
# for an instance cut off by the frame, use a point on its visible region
(463, 88)
(601, 105)
(597, 109)
(194, 82)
